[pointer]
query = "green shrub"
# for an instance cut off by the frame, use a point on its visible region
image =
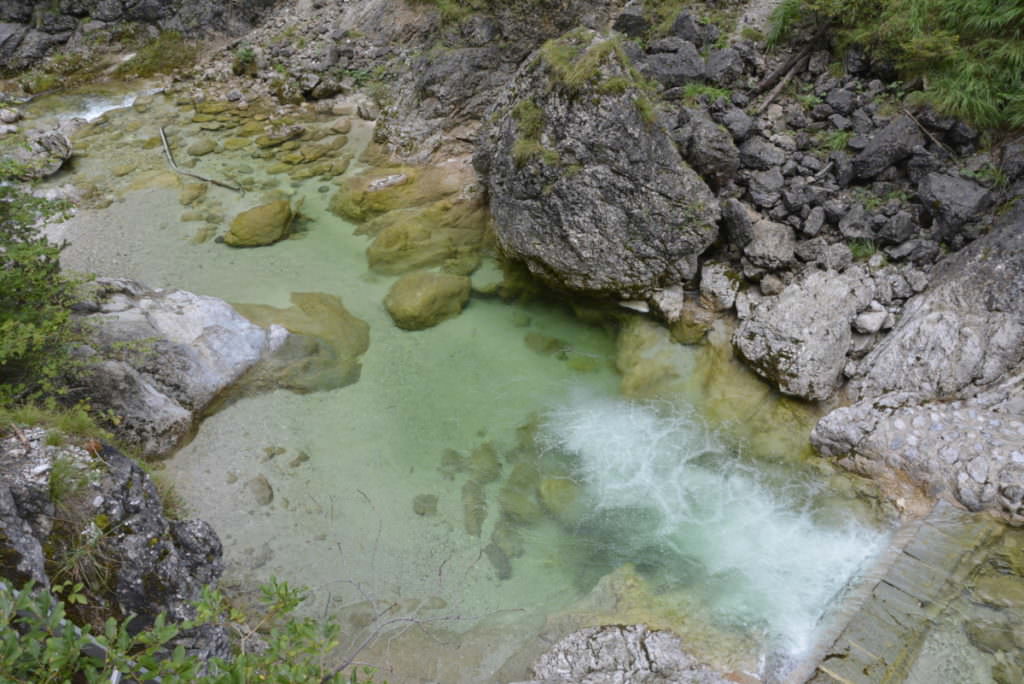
(39, 643)
(970, 52)
(35, 297)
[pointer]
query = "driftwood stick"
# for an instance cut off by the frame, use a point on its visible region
(823, 171)
(799, 66)
(773, 78)
(174, 167)
(928, 133)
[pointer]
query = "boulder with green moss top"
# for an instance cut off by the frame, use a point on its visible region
(423, 299)
(262, 225)
(586, 185)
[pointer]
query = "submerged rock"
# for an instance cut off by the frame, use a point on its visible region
(587, 187)
(323, 351)
(262, 225)
(424, 299)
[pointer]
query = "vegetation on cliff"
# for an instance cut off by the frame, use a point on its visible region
(968, 53)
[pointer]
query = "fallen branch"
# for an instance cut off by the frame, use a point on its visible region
(797, 67)
(823, 171)
(787, 66)
(174, 167)
(928, 133)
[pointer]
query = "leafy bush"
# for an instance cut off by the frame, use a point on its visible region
(38, 643)
(35, 297)
(970, 53)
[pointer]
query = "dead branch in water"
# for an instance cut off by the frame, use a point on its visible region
(174, 167)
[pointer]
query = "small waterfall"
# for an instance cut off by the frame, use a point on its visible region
(667, 494)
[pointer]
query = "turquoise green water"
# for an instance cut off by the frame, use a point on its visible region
(603, 508)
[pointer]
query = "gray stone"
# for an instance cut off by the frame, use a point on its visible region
(737, 121)
(891, 145)
(42, 154)
(175, 352)
(953, 200)
(964, 332)
(631, 21)
(156, 565)
(799, 339)
(771, 245)
(632, 217)
(708, 148)
(719, 284)
(758, 153)
(725, 66)
(619, 654)
(674, 69)
(765, 187)
(815, 220)
(739, 222)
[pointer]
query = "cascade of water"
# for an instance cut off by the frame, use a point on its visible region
(661, 479)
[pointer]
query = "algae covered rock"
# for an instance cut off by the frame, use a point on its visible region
(423, 299)
(379, 191)
(586, 185)
(436, 234)
(262, 225)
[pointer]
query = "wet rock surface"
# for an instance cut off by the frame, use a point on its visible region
(606, 655)
(158, 358)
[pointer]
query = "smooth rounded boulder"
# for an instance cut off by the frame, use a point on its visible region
(423, 299)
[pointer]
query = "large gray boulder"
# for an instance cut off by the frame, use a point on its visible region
(586, 185)
(970, 450)
(963, 333)
(952, 200)
(891, 145)
(799, 339)
(159, 358)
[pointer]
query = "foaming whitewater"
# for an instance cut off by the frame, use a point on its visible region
(666, 493)
(93, 107)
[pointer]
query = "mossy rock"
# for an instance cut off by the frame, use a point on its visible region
(202, 147)
(324, 350)
(379, 191)
(262, 225)
(484, 465)
(212, 107)
(191, 192)
(418, 238)
(251, 128)
(474, 507)
(422, 299)
(236, 143)
(558, 495)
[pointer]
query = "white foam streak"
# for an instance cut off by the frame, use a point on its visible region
(768, 564)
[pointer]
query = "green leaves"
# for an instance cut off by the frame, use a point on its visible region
(970, 52)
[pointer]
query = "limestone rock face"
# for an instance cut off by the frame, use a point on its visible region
(611, 654)
(800, 338)
(942, 396)
(964, 332)
(159, 358)
(424, 299)
(262, 225)
(587, 187)
(156, 564)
